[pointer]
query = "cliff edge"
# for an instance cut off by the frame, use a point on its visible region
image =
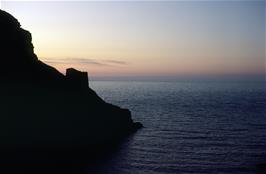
(43, 109)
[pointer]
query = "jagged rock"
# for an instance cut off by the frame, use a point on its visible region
(77, 78)
(42, 114)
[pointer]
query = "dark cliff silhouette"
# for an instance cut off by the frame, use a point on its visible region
(49, 120)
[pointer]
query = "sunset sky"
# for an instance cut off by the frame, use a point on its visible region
(147, 38)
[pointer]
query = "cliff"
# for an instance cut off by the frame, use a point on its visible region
(44, 112)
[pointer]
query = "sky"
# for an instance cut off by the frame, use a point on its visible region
(175, 38)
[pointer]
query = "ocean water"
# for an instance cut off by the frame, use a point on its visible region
(190, 127)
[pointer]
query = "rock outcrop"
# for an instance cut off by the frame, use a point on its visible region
(45, 111)
(78, 79)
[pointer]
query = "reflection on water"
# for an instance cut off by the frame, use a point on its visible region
(189, 127)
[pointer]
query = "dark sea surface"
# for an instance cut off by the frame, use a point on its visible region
(190, 127)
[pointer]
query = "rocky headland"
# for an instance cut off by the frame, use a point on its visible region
(48, 116)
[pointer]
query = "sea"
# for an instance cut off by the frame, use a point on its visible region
(189, 127)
